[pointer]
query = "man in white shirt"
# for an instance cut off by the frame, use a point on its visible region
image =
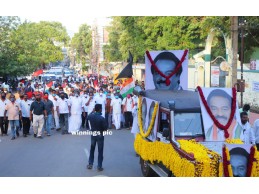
(101, 99)
(247, 136)
(85, 99)
(90, 103)
(25, 105)
(63, 110)
(55, 98)
(135, 128)
(77, 108)
(116, 111)
(128, 105)
(3, 123)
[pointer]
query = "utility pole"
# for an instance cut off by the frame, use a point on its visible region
(234, 38)
(242, 26)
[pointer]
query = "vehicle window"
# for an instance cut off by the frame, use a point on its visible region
(164, 121)
(187, 124)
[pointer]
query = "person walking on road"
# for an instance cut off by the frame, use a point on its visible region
(25, 105)
(14, 114)
(63, 108)
(37, 112)
(97, 125)
(3, 122)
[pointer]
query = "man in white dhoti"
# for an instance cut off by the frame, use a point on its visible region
(135, 128)
(77, 107)
(101, 99)
(116, 111)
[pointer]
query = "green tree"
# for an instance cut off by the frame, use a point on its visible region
(81, 43)
(37, 44)
(8, 63)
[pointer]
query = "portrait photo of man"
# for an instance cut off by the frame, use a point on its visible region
(239, 159)
(220, 104)
(166, 62)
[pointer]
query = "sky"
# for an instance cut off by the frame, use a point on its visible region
(72, 24)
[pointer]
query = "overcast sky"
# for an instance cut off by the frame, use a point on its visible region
(72, 23)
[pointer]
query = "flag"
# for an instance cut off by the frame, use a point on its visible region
(127, 87)
(37, 73)
(127, 71)
(49, 84)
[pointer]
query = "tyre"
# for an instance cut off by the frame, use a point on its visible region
(146, 170)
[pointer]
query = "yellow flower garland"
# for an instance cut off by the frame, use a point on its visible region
(255, 167)
(150, 127)
(234, 141)
(161, 152)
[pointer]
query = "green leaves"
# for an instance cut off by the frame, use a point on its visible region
(29, 45)
(82, 44)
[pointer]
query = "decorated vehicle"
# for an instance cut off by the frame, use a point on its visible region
(172, 139)
(190, 133)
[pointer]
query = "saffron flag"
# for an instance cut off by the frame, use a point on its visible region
(49, 84)
(127, 87)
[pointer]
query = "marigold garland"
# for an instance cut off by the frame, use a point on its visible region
(234, 141)
(232, 114)
(150, 127)
(161, 152)
(255, 165)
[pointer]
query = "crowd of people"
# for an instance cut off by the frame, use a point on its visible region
(64, 105)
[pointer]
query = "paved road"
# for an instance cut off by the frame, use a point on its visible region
(67, 156)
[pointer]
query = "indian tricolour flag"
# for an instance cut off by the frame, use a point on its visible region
(127, 87)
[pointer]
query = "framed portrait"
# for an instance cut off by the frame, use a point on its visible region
(217, 113)
(148, 106)
(166, 62)
(236, 160)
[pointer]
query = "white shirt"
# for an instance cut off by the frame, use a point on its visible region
(2, 107)
(128, 102)
(247, 135)
(55, 102)
(76, 105)
(116, 105)
(100, 99)
(63, 105)
(91, 105)
(85, 100)
(25, 107)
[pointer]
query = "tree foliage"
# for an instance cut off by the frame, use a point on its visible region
(139, 34)
(81, 44)
(27, 46)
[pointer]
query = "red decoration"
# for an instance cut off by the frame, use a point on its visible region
(232, 114)
(167, 81)
(251, 159)
(225, 162)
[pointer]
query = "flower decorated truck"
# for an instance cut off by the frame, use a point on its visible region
(174, 138)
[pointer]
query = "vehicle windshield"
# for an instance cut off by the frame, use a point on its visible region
(187, 124)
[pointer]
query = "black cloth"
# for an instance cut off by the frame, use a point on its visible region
(3, 125)
(128, 119)
(85, 120)
(37, 107)
(26, 125)
(97, 122)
